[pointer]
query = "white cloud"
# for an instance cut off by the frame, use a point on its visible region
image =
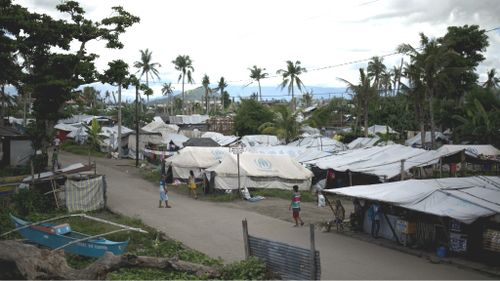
(225, 37)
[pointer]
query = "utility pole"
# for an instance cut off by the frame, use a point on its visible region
(137, 125)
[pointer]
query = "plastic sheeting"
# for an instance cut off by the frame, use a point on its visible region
(221, 139)
(259, 140)
(363, 142)
(320, 143)
(463, 199)
(261, 171)
(417, 140)
(380, 129)
(85, 195)
(195, 158)
(301, 154)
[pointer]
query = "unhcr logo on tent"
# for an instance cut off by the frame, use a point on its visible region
(263, 164)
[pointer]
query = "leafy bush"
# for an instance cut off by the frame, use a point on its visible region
(28, 201)
(250, 269)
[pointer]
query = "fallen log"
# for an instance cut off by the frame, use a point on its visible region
(35, 263)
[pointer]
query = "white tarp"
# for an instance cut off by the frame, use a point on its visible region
(417, 140)
(261, 171)
(319, 142)
(363, 142)
(463, 199)
(188, 119)
(473, 150)
(380, 129)
(221, 139)
(195, 158)
(259, 140)
(301, 154)
(382, 161)
(157, 126)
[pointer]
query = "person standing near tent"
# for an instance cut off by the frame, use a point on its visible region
(339, 215)
(55, 160)
(192, 184)
(295, 206)
(163, 193)
(374, 214)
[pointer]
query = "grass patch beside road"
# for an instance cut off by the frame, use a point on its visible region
(71, 146)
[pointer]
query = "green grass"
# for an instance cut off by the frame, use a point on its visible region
(71, 146)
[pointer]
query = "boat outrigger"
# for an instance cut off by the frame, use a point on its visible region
(61, 236)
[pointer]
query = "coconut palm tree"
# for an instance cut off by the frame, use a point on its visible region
(257, 74)
(364, 93)
(206, 82)
(416, 92)
(220, 87)
(492, 82)
(307, 98)
(375, 70)
(167, 90)
(284, 124)
(184, 64)
(291, 78)
(147, 67)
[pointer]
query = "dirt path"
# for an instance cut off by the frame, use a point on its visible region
(215, 229)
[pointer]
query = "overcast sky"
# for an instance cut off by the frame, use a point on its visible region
(226, 37)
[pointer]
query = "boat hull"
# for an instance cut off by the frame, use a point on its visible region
(90, 248)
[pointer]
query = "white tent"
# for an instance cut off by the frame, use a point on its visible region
(158, 126)
(261, 171)
(417, 140)
(363, 142)
(382, 161)
(259, 140)
(319, 142)
(221, 139)
(474, 150)
(188, 119)
(195, 158)
(301, 154)
(463, 199)
(380, 129)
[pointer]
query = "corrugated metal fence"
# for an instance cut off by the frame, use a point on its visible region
(290, 262)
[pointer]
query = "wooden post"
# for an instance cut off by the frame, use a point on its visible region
(440, 167)
(313, 252)
(53, 186)
(350, 177)
(462, 163)
(392, 228)
(402, 173)
(137, 125)
(245, 238)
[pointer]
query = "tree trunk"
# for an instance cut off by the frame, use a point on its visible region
(119, 140)
(35, 263)
(260, 92)
(206, 101)
(147, 85)
(293, 100)
(183, 98)
(366, 118)
(431, 113)
(4, 100)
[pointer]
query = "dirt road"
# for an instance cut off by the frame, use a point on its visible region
(215, 229)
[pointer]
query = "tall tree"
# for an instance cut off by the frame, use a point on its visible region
(364, 93)
(416, 92)
(117, 74)
(291, 78)
(184, 64)
(375, 70)
(249, 116)
(257, 74)
(284, 124)
(492, 81)
(307, 98)
(146, 67)
(167, 90)
(206, 82)
(220, 87)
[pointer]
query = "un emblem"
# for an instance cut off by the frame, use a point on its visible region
(263, 164)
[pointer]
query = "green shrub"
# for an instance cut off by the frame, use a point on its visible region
(250, 269)
(32, 200)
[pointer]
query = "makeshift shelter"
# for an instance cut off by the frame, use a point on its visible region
(380, 129)
(319, 142)
(154, 145)
(301, 154)
(363, 142)
(259, 140)
(158, 126)
(15, 147)
(261, 171)
(202, 142)
(85, 194)
(416, 141)
(110, 137)
(188, 119)
(221, 139)
(196, 159)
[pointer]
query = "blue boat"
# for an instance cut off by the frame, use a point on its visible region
(62, 237)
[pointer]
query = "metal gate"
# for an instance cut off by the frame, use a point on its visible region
(290, 262)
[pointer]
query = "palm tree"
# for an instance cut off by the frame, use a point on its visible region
(307, 98)
(386, 82)
(397, 73)
(167, 90)
(364, 92)
(291, 78)
(284, 124)
(257, 74)
(375, 70)
(147, 67)
(184, 64)
(206, 82)
(492, 82)
(220, 87)
(416, 93)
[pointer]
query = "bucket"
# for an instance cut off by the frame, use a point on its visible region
(441, 252)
